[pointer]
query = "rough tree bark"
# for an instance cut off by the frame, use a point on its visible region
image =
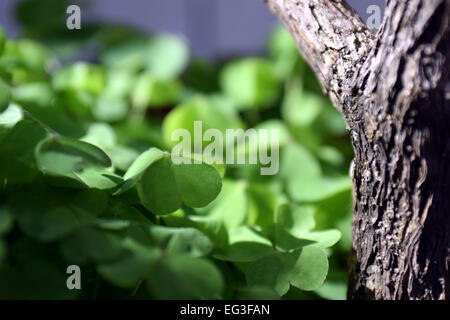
(390, 88)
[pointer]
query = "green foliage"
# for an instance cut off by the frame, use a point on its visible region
(199, 108)
(163, 56)
(251, 83)
(154, 92)
(2, 40)
(86, 177)
(17, 151)
(305, 269)
(163, 185)
(5, 95)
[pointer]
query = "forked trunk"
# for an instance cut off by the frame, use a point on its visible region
(390, 89)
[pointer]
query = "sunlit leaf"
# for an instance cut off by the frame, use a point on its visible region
(80, 76)
(152, 92)
(11, 116)
(74, 159)
(313, 189)
(231, 204)
(251, 83)
(168, 56)
(283, 50)
(110, 109)
(39, 93)
(208, 114)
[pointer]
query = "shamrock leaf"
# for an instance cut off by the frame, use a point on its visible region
(245, 245)
(305, 269)
(164, 185)
(293, 229)
(82, 163)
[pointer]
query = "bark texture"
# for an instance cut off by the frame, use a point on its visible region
(390, 88)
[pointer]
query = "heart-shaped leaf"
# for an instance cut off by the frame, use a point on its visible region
(305, 269)
(157, 188)
(323, 239)
(293, 227)
(163, 186)
(245, 245)
(296, 219)
(138, 167)
(291, 222)
(99, 179)
(77, 160)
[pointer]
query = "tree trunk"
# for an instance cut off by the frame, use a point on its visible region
(390, 88)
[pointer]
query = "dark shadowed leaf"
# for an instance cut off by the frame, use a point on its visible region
(177, 241)
(184, 277)
(17, 162)
(305, 269)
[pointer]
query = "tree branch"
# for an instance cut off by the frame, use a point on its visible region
(331, 37)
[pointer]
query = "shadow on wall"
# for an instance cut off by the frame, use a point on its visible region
(214, 28)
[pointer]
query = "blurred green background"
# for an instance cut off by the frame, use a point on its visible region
(124, 92)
